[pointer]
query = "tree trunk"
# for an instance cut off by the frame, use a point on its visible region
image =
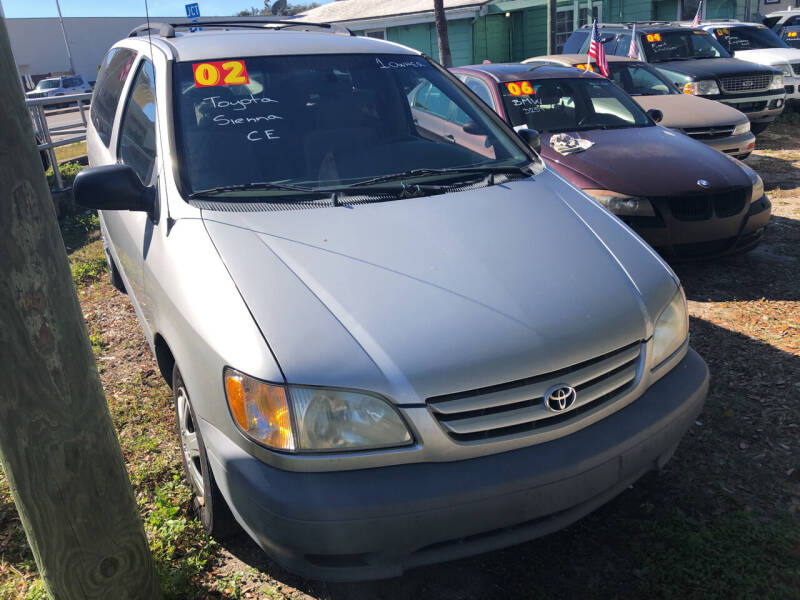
(58, 447)
(445, 58)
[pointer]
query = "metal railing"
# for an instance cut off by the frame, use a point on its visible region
(44, 133)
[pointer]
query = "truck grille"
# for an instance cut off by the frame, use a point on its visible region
(709, 133)
(518, 406)
(746, 83)
(37, 94)
(796, 68)
(700, 208)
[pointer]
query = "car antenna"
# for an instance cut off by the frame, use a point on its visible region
(170, 220)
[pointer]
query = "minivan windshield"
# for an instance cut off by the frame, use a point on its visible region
(748, 38)
(557, 105)
(48, 84)
(326, 122)
(683, 44)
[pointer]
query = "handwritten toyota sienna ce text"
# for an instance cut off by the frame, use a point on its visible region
(389, 345)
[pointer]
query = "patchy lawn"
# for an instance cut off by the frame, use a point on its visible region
(721, 521)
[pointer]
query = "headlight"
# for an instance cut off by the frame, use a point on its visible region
(741, 128)
(777, 82)
(704, 87)
(756, 182)
(621, 204)
(325, 419)
(785, 68)
(672, 327)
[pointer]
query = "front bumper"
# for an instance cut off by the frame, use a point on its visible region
(375, 523)
(762, 108)
(736, 145)
(703, 239)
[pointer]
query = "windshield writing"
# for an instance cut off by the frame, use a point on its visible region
(748, 38)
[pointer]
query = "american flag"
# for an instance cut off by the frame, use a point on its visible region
(699, 16)
(597, 52)
(633, 49)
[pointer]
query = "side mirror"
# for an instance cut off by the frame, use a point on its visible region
(655, 114)
(114, 187)
(531, 137)
(472, 128)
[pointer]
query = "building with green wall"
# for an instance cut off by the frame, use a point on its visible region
(501, 30)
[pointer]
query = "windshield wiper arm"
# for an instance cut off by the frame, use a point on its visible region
(522, 170)
(262, 185)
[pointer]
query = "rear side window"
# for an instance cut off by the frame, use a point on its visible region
(113, 73)
(137, 132)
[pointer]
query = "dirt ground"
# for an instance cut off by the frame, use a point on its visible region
(722, 520)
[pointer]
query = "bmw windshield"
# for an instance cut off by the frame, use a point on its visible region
(281, 124)
(558, 105)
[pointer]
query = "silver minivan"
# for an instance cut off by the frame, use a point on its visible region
(391, 341)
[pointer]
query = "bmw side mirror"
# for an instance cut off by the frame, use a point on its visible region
(655, 114)
(530, 137)
(114, 187)
(472, 128)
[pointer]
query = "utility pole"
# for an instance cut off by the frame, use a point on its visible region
(445, 58)
(58, 447)
(66, 42)
(551, 26)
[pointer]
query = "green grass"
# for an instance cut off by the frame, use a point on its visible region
(70, 151)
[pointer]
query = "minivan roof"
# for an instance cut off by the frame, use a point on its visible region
(219, 43)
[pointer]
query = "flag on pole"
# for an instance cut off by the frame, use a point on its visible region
(699, 16)
(596, 50)
(633, 50)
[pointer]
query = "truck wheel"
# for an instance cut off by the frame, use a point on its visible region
(113, 275)
(208, 503)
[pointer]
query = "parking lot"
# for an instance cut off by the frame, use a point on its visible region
(720, 521)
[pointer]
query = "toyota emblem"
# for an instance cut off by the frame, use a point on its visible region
(703, 183)
(560, 397)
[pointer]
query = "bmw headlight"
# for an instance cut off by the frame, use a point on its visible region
(704, 87)
(622, 204)
(777, 82)
(756, 182)
(672, 327)
(312, 419)
(741, 128)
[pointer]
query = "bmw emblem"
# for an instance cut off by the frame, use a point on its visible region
(703, 183)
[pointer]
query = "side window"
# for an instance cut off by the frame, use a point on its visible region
(623, 44)
(113, 73)
(477, 86)
(137, 131)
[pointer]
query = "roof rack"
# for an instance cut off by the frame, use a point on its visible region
(167, 30)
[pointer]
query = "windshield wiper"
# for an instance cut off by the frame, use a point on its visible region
(258, 186)
(521, 170)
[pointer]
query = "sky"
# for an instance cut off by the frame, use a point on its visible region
(127, 8)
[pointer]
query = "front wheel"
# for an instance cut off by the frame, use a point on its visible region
(208, 503)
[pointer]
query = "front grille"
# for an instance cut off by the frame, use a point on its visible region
(705, 206)
(746, 83)
(517, 407)
(37, 95)
(796, 68)
(710, 133)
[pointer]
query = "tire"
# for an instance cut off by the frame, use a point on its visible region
(757, 128)
(114, 276)
(207, 501)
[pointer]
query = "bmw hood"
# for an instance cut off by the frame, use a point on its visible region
(420, 297)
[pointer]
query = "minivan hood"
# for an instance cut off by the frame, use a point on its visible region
(682, 110)
(645, 161)
(708, 68)
(420, 297)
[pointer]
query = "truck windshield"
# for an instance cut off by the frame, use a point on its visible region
(48, 84)
(748, 38)
(792, 37)
(557, 105)
(686, 44)
(325, 122)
